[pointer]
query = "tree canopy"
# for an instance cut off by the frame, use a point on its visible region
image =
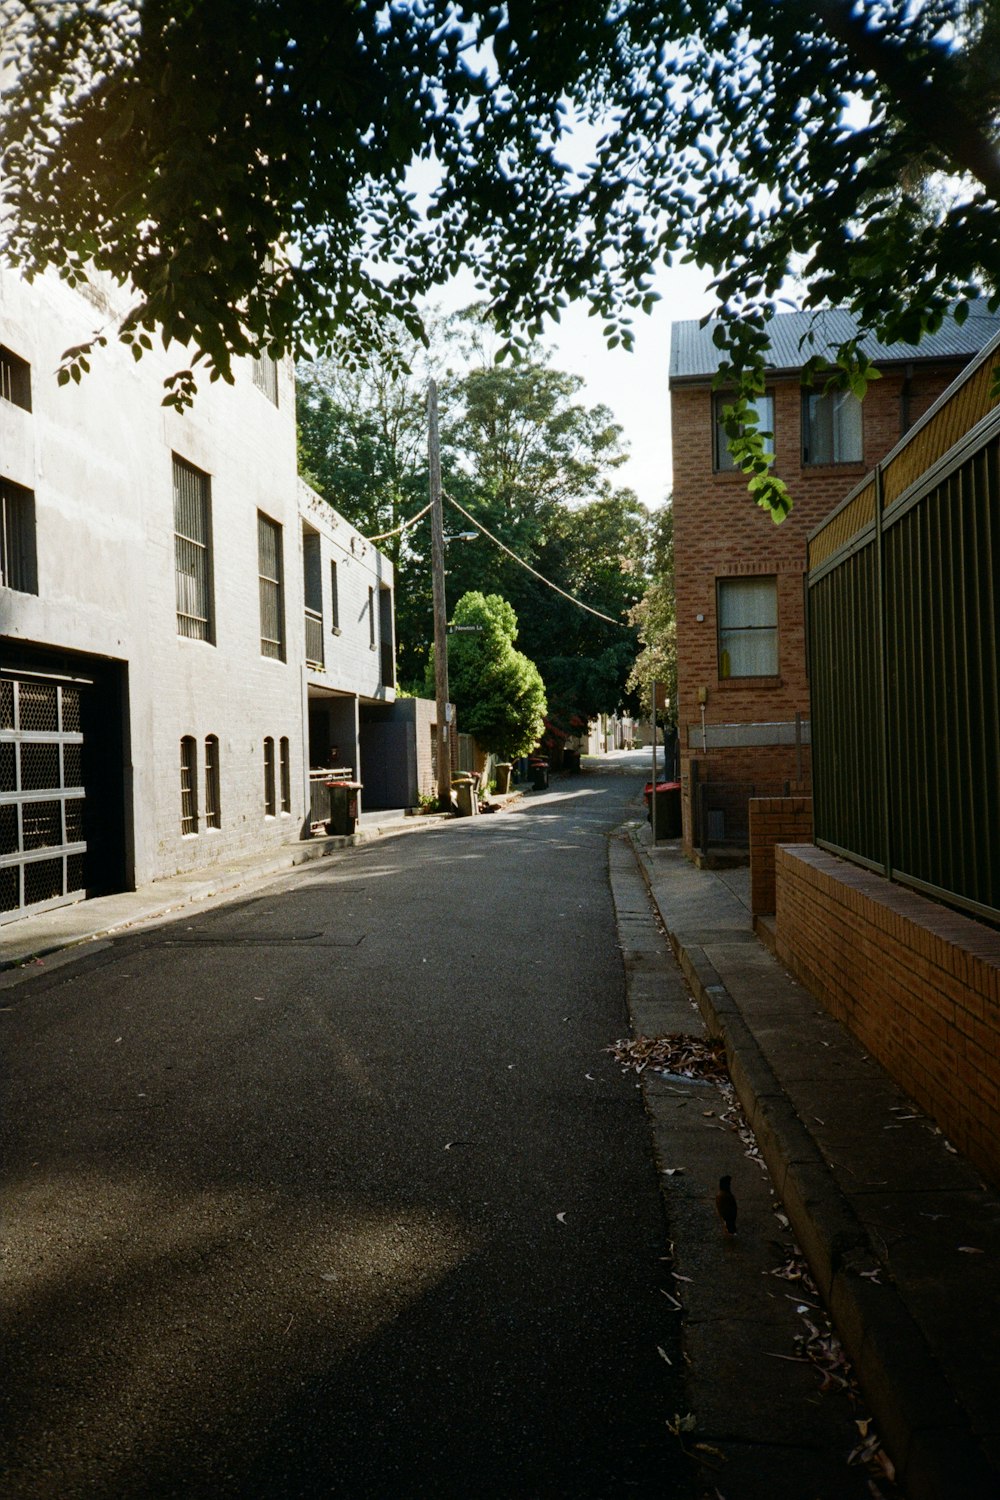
(498, 693)
(269, 174)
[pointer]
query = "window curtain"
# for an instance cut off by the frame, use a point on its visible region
(748, 627)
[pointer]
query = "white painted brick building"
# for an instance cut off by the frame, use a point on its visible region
(155, 573)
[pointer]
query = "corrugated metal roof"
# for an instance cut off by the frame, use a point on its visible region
(693, 354)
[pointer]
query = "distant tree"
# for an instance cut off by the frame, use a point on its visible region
(363, 446)
(363, 433)
(597, 552)
(526, 441)
(498, 693)
(655, 622)
(537, 467)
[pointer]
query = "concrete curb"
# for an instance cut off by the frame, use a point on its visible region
(928, 1435)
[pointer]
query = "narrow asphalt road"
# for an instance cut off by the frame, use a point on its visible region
(334, 1191)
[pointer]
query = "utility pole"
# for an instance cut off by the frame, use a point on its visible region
(652, 794)
(440, 606)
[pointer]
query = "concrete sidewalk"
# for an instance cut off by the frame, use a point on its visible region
(902, 1236)
(37, 937)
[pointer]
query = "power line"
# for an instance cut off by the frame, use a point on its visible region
(504, 548)
(385, 535)
(527, 566)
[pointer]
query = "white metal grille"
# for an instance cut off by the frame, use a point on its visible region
(42, 843)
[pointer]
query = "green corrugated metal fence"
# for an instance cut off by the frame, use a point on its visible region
(904, 638)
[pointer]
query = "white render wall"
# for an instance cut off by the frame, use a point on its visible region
(98, 457)
(351, 663)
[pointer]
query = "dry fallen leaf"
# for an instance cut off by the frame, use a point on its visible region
(971, 1250)
(686, 1056)
(680, 1424)
(885, 1462)
(561, 1218)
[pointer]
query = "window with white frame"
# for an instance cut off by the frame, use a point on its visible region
(748, 627)
(272, 613)
(17, 538)
(831, 428)
(761, 406)
(371, 618)
(193, 552)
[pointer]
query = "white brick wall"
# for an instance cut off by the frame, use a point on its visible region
(98, 457)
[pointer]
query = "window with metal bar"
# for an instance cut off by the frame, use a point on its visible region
(17, 538)
(193, 552)
(312, 594)
(269, 777)
(189, 785)
(272, 615)
(387, 673)
(213, 809)
(748, 627)
(334, 598)
(265, 377)
(286, 775)
(831, 428)
(15, 378)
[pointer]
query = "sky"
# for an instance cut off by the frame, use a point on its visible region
(634, 385)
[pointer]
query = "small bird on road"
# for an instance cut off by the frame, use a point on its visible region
(726, 1204)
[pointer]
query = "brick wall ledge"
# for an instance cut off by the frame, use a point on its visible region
(899, 902)
(917, 984)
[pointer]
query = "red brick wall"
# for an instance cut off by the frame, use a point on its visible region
(919, 985)
(720, 533)
(773, 821)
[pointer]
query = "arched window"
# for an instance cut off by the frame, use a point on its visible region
(213, 808)
(269, 777)
(286, 776)
(189, 784)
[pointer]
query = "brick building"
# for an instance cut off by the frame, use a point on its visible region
(743, 693)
